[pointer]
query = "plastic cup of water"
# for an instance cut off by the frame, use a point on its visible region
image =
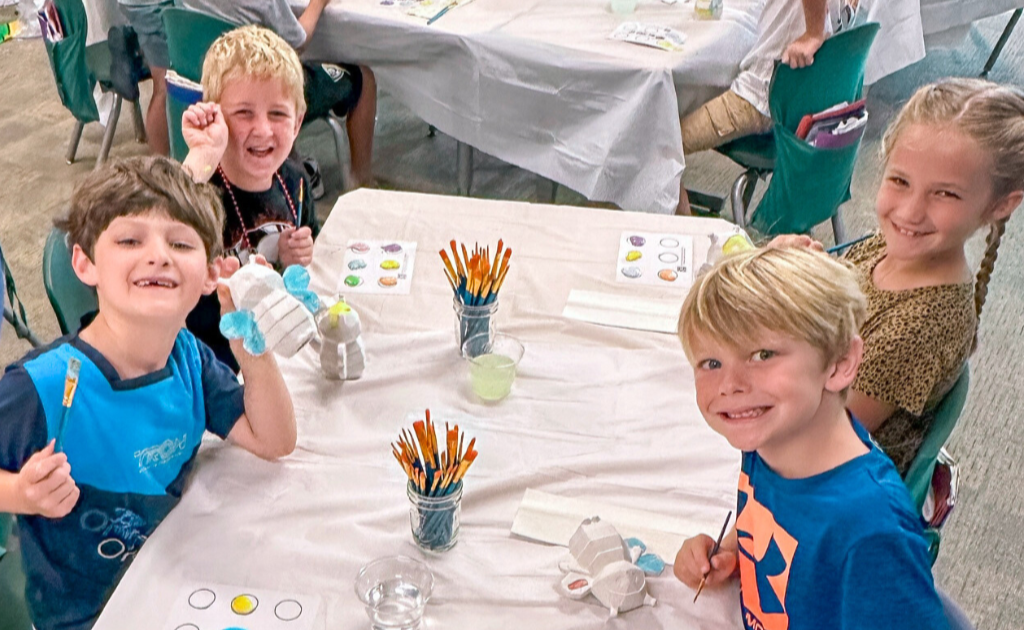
(623, 7)
(394, 591)
(492, 365)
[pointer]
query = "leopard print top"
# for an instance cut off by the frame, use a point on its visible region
(915, 344)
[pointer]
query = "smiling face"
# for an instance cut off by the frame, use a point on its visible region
(262, 126)
(936, 192)
(764, 395)
(147, 267)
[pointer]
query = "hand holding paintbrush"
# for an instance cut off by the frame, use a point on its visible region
(703, 561)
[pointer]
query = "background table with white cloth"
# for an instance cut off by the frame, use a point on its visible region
(539, 84)
(596, 413)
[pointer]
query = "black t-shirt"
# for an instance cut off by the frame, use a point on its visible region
(264, 215)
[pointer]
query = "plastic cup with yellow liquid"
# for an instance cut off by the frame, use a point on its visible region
(492, 365)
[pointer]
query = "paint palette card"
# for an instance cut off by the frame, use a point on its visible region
(653, 35)
(657, 259)
(216, 606)
(425, 9)
(377, 267)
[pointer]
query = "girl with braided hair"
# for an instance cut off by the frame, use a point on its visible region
(953, 165)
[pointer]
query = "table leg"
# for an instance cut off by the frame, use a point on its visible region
(464, 157)
(1002, 42)
(546, 190)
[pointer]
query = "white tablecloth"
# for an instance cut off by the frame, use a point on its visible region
(540, 85)
(596, 413)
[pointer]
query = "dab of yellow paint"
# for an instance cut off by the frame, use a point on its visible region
(244, 604)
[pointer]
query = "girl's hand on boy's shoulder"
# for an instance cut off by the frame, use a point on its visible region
(203, 127)
(295, 247)
(692, 562)
(45, 485)
(796, 240)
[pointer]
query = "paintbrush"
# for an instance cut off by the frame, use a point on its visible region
(711, 554)
(70, 387)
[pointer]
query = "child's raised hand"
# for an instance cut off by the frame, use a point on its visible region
(203, 127)
(801, 52)
(45, 486)
(796, 240)
(295, 247)
(692, 562)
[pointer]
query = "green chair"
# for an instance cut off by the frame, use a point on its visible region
(6, 524)
(70, 298)
(14, 313)
(77, 68)
(13, 609)
(808, 183)
(922, 469)
(189, 35)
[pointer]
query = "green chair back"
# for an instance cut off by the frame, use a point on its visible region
(70, 298)
(6, 523)
(919, 475)
(808, 183)
(189, 35)
(75, 81)
(178, 100)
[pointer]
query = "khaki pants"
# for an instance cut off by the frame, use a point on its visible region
(721, 120)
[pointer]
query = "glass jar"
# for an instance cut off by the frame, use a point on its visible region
(474, 321)
(435, 520)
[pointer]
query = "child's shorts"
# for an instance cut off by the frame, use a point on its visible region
(722, 120)
(145, 19)
(331, 87)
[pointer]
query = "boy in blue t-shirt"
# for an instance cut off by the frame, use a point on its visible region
(826, 535)
(147, 238)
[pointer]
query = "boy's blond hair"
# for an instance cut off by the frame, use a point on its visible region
(139, 185)
(253, 53)
(794, 291)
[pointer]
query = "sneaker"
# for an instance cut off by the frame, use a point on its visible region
(316, 182)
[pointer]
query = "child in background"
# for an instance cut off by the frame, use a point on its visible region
(145, 17)
(147, 238)
(791, 30)
(347, 90)
(239, 139)
(825, 536)
(954, 164)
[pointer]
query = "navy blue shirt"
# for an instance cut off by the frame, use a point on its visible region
(131, 445)
(844, 549)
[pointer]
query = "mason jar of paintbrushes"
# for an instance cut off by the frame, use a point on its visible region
(435, 481)
(475, 280)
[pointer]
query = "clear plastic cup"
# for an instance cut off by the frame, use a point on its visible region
(492, 364)
(394, 591)
(623, 7)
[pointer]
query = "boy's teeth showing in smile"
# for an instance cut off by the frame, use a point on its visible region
(156, 282)
(260, 152)
(746, 414)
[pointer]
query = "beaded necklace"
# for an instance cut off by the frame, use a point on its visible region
(238, 211)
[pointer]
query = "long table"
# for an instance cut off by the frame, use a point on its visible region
(596, 413)
(539, 84)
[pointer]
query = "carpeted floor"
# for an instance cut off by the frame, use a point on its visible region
(982, 559)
